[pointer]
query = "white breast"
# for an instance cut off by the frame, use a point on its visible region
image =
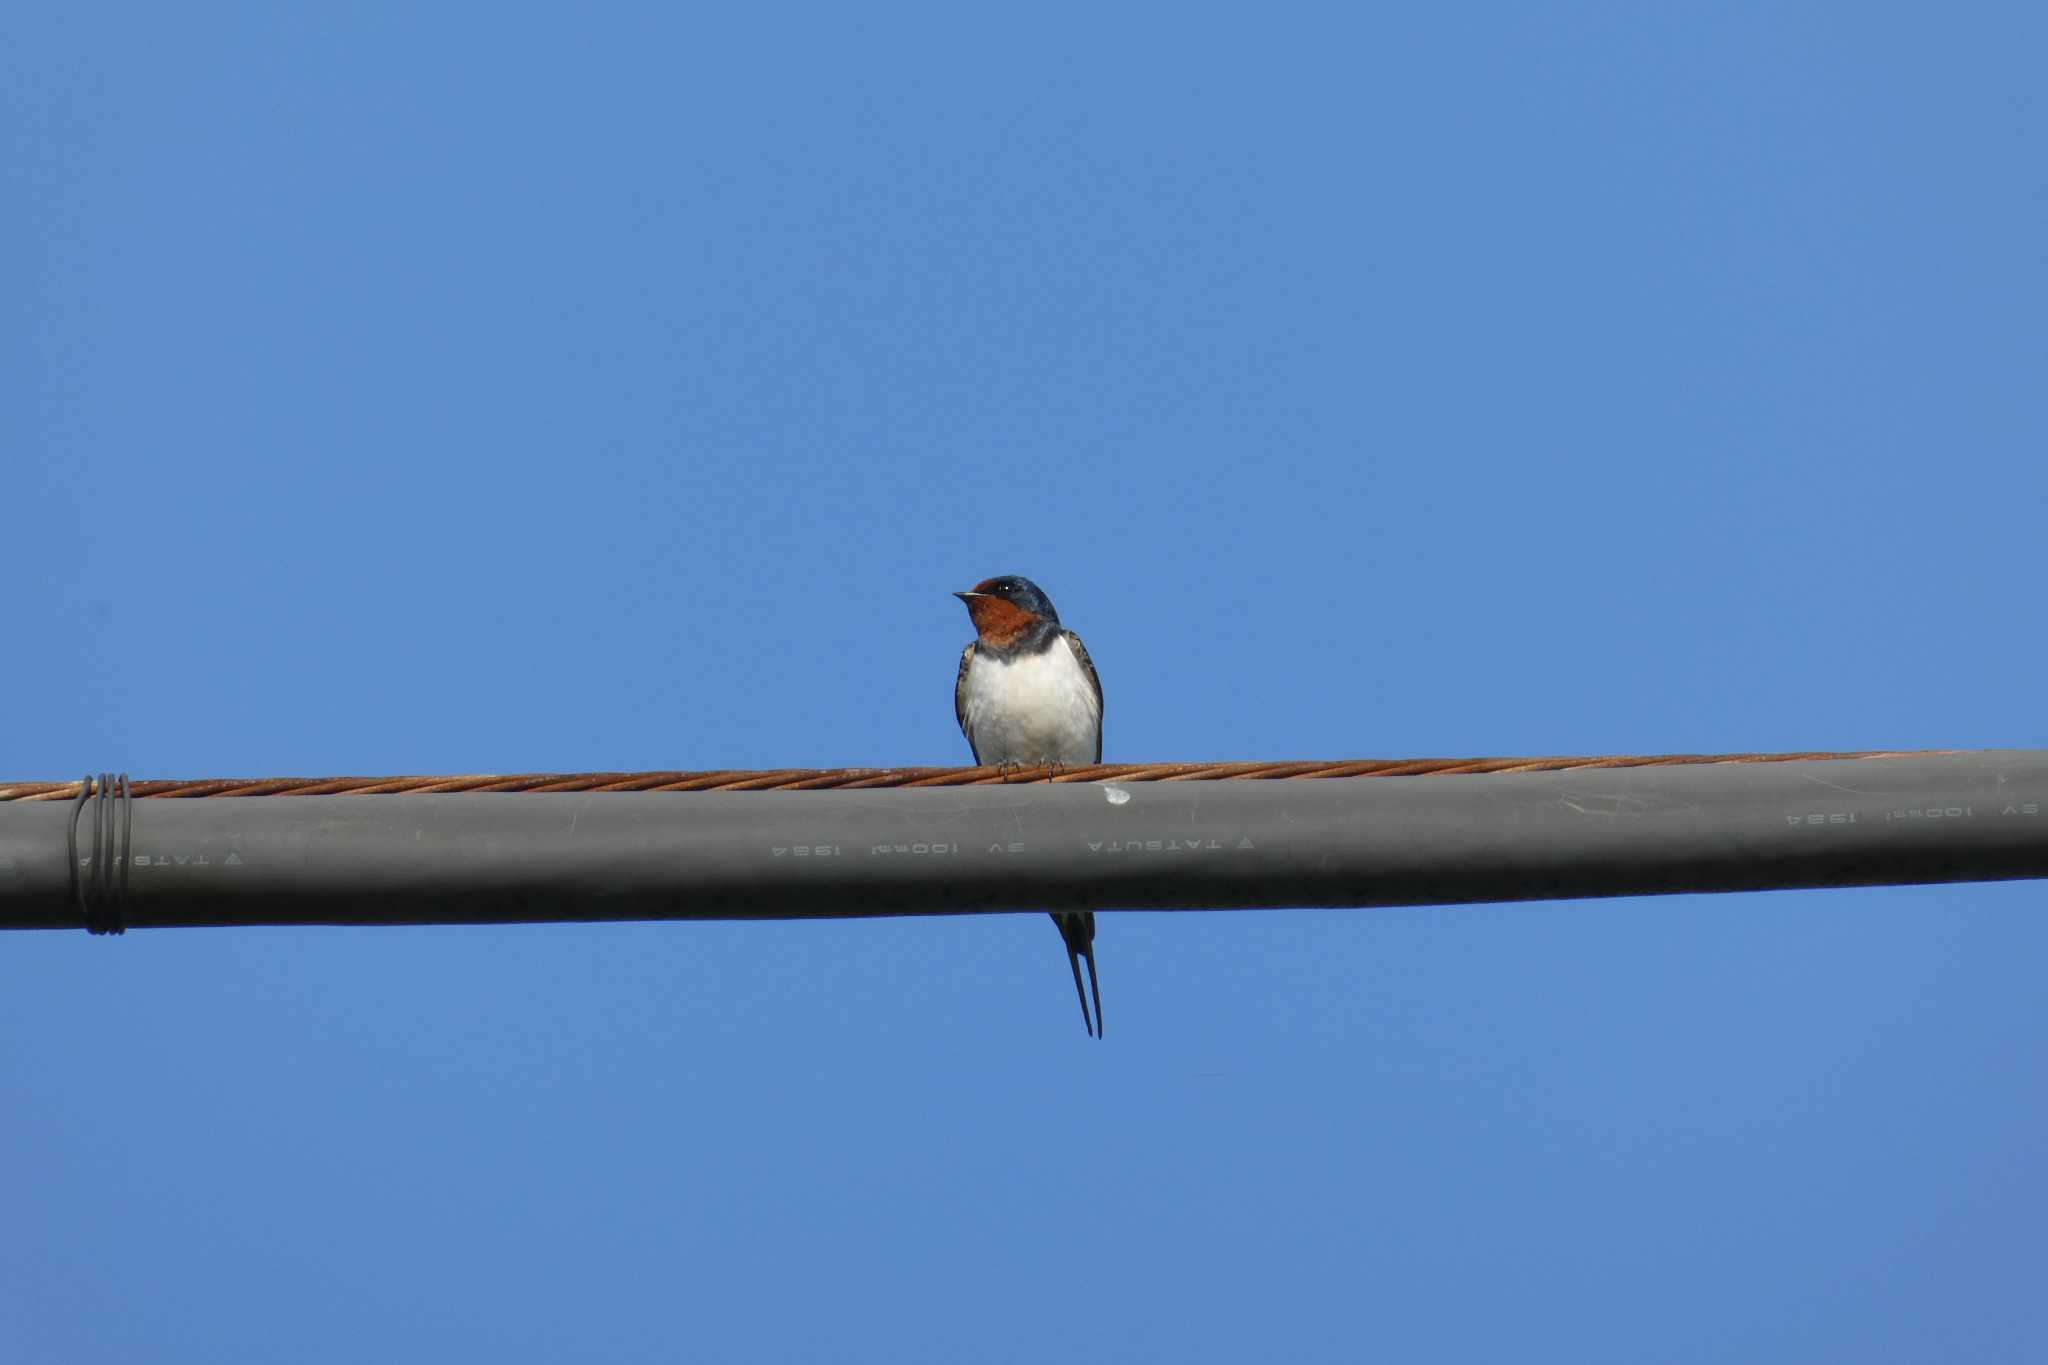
(1035, 708)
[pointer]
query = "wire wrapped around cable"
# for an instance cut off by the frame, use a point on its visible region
(100, 890)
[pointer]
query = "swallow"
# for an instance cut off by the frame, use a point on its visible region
(1027, 695)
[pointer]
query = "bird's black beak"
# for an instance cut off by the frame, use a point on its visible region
(969, 596)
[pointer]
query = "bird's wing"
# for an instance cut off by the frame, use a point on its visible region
(1088, 667)
(960, 696)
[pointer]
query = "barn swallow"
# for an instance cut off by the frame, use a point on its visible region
(1027, 694)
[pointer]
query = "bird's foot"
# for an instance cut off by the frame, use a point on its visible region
(1053, 768)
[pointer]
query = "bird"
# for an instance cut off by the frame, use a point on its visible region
(1027, 694)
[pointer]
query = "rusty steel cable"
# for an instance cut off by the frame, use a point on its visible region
(861, 779)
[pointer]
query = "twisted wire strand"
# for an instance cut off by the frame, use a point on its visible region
(854, 779)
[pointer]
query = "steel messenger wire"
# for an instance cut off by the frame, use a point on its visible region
(845, 779)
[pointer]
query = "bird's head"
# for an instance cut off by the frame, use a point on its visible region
(1004, 610)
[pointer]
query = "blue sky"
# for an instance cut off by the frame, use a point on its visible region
(385, 391)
